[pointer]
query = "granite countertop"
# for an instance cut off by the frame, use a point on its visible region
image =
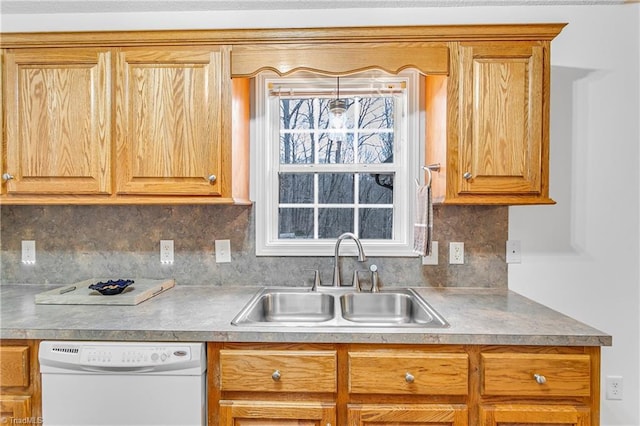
(204, 313)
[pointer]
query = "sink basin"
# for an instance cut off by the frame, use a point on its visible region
(284, 306)
(393, 308)
(293, 307)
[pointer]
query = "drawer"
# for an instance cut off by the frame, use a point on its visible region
(14, 366)
(278, 371)
(536, 374)
(406, 372)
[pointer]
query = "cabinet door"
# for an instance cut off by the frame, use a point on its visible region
(14, 366)
(172, 120)
(15, 409)
(408, 414)
(58, 121)
(263, 413)
(534, 415)
(502, 142)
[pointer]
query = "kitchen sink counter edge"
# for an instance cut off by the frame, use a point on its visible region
(477, 316)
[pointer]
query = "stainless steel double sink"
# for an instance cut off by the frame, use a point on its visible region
(338, 306)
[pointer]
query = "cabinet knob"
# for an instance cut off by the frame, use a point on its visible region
(211, 178)
(276, 376)
(408, 377)
(7, 176)
(540, 379)
(467, 175)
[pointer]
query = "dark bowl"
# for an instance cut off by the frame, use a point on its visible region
(111, 287)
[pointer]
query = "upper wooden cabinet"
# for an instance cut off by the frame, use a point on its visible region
(163, 116)
(119, 125)
(495, 148)
(172, 120)
(501, 108)
(58, 121)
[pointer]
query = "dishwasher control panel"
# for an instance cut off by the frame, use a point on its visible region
(130, 356)
(122, 356)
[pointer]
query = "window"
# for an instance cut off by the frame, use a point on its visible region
(319, 175)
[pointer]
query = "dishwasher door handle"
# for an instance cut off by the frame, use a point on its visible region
(116, 370)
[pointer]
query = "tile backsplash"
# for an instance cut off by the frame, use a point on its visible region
(74, 243)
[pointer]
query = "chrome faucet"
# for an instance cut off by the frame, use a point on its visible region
(336, 266)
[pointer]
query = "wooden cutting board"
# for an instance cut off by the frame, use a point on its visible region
(80, 294)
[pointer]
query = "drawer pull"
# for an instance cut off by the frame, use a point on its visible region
(540, 379)
(408, 377)
(276, 376)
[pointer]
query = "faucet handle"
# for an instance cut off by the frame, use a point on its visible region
(316, 279)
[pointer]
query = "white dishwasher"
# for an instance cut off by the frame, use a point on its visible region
(123, 383)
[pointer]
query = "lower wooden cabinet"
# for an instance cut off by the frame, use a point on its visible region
(276, 413)
(256, 384)
(539, 386)
(402, 375)
(14, 408)
(19, 382)
(347, 385)
(534, 415)
(407, 414)
(276, 385)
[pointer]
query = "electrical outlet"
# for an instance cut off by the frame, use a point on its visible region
(456, 253)
(432, 259)
(166, 252)
(223, 251)
(513, 251)
(28, 252)
(614, 387)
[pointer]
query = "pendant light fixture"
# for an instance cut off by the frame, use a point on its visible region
(337, 109)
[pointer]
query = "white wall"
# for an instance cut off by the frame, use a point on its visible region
(580, 256)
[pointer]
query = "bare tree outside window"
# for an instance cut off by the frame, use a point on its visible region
(341, 194)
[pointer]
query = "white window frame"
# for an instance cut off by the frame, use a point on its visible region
(265, 162)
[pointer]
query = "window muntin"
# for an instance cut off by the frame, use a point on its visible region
(320, 179)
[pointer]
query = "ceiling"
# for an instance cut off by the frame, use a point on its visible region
(123, 6)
